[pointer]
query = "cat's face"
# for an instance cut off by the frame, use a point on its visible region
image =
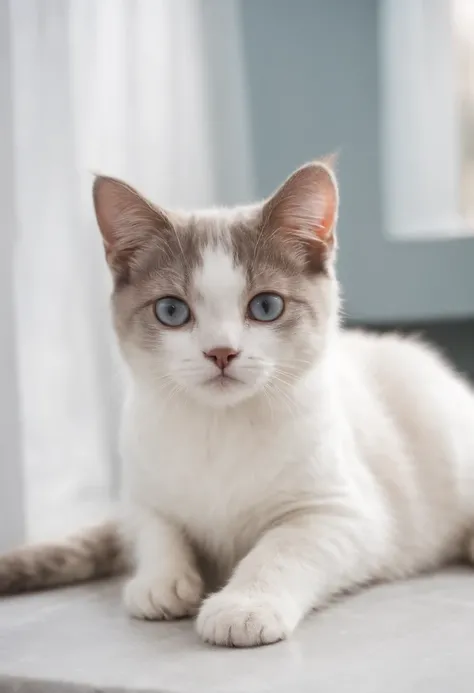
(225, 304)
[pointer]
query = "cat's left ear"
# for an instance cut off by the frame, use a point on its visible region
(304, 212)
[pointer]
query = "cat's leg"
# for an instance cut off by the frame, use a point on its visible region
(294, 567)
(166, 584)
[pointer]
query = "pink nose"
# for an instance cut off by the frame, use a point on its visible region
(221, 356)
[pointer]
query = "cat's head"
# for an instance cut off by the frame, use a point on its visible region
(224, 304)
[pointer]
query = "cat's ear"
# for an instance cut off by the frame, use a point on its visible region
(127, 222)
(304, 212)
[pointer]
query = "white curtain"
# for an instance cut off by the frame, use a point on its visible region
(118, 87)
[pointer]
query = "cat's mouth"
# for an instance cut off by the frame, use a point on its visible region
(223, 380)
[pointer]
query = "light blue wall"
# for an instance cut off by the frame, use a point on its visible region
(311, 70)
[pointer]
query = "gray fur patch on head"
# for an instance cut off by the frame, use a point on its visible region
(168, 270)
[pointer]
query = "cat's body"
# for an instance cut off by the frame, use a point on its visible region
(298, 460)
(387, 454)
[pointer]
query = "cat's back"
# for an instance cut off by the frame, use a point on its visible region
(408, 381)
(399, 368)
(413, 418)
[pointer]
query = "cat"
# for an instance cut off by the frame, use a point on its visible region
(299, 460)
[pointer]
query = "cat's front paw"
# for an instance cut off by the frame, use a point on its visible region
(159, 598)
(237, 619)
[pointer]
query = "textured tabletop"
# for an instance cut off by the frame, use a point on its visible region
(411, 636)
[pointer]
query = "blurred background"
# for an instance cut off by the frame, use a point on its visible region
(200, 102)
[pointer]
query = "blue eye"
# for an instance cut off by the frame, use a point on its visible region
(172, 311)
(266, 307)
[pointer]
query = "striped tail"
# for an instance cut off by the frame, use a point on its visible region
(97, 552)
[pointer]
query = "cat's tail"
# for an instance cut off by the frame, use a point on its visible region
(97, 552)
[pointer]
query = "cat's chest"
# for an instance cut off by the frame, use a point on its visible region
(223, 479)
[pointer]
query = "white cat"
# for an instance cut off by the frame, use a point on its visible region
(297, 460)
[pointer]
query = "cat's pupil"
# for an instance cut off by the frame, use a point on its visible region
(171, 309)
(266, 305)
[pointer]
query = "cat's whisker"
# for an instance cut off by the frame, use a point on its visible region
(268, 400)
(282, 402)
(283, 396)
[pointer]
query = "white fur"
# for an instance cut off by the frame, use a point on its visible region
(216, 285)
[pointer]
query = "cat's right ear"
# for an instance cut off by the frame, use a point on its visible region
(127, 222)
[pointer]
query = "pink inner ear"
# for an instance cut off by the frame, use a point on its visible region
(118, 207)
(126, 220)
(307, 204)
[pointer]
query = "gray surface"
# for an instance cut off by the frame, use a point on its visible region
(312, 70)
(409, 636)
